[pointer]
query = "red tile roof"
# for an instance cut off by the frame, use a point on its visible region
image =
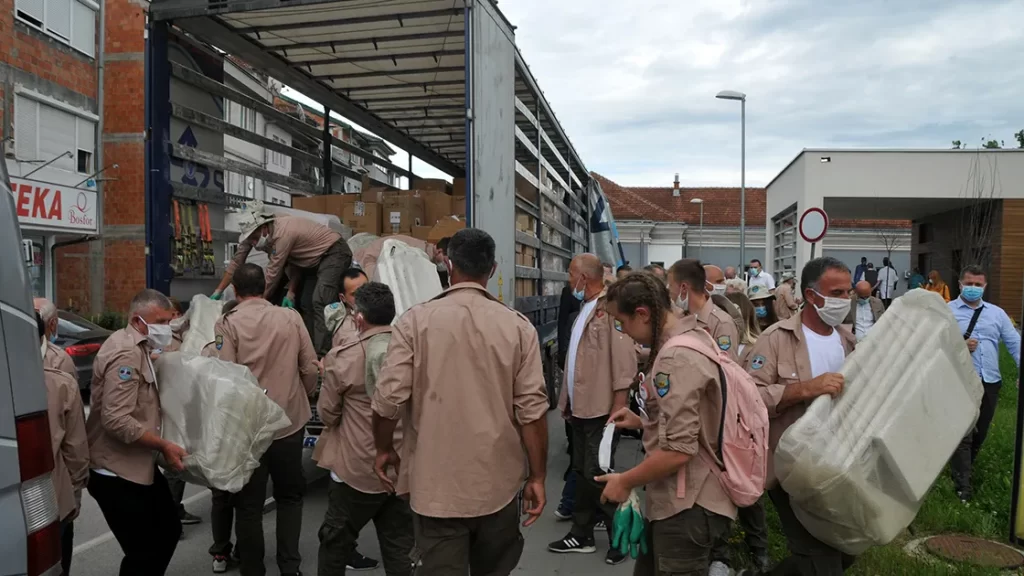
(721, 206)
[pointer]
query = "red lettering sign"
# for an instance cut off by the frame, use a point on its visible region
(42, 204)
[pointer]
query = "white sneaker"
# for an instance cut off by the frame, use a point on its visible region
(719, 569)
(220, 564)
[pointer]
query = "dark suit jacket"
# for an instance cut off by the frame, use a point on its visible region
(568, 308)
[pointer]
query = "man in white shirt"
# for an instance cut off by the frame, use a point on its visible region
(759, 277)
(888, 279)
(865, 310)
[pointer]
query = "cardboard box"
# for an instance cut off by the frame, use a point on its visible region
(334, 204)
(524, 222)
(435, 184)
(459, 187)
(421, 232)
(314, 204)
(445, 228)
(524, 288)
(401, 213)
(362, 217)
(375, 194)
(459, 206)
(436, 205)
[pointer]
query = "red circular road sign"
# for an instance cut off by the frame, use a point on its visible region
(813, 224)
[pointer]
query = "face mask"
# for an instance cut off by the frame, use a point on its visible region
(159, 335)
(761, 311)
(754, 271)
(834, 311)
(683, 303)
(972, 293)
(862, 302)
(53, 338)
(261, 243)
(718, 289)
(578, 294)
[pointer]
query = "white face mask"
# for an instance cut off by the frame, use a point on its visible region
(683, 303)
(718, 289)
(261, 242)
(834, 311)
(178, 323)
(159, 336)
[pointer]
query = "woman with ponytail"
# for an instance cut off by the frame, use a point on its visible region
(680, 413)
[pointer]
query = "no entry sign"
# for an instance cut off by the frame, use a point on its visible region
(813, 225)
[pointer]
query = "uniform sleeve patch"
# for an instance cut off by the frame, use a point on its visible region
(724, 342)
(125, 373)
(757, 363)
(218, 342)
(335, 305)
(661, 384)
(618, 326)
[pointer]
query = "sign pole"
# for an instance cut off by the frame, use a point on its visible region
(813, 246)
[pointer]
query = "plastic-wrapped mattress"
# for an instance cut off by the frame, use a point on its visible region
(858, 467)
(202, 316)
(409, 273)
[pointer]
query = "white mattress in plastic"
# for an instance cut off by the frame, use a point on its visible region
(359, 241)
(202, 317)
(858, 467)
(411, 276)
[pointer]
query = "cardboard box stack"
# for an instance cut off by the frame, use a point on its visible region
(429, 211)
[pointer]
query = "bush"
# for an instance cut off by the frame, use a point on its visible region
(109, 320)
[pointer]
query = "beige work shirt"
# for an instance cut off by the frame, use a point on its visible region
(294, 243)
(780, 358)
(343, 329)
(125, 403)
(720, 325)
(274, 344)
(785, 302)
(368, 256)
(58, 359)
(467, 370)
(683, 400)
(67, 439)
(346, 445)
(606, 363)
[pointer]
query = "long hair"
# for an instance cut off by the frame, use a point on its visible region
(769, 304)
(752, 330)
(643, 289)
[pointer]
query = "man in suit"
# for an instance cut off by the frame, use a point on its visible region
(865, 310)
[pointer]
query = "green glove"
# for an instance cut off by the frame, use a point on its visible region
(216, 295)
(637, 534)
(287, 303)
(621, 527)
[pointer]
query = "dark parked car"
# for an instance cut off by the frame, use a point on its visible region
(81, 339)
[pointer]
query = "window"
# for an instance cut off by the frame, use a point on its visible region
(43, 132)
(278, 159)
(784, 244)
(72, 22)
(238, 115)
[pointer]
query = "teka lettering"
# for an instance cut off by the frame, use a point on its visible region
(42, 205)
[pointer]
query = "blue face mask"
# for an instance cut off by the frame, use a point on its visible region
(761, 311)
(754, 271)
(972, 293)
(862, 302)
(578, 294)
(53, 338)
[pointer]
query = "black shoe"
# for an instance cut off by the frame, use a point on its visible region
(189, 519)
(571, 544)
(614, 557)
(964, 495)
(360, 563)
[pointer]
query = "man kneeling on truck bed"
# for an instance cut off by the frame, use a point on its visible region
(293, 243)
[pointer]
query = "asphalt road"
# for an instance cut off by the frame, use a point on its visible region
(98, 554)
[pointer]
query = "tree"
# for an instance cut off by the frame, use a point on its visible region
(972, 243)
(992, 144)
(957, 145)
(1020, 138)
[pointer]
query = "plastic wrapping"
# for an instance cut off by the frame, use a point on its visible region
(218, 413)
(359, 241)
(202, 316)
(411, 276)
(858, 467)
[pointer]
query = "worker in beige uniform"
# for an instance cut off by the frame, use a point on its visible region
(794, 362)
(293, 244)
(681, 404)
(786, 301)
(70, 447)
(274, 344)
(355, 495)
(687, 285)
(367, 257)
(123, 429)
(338, 317)
(55, 357)
(464, 373)
(599, 369)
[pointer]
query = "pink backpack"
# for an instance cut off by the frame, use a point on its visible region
(743, 434)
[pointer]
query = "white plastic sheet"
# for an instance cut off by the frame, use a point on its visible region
(409, 273)
(219, 414)
(202, 316)
(858, 467)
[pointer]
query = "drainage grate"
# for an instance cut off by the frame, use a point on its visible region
(974, 551)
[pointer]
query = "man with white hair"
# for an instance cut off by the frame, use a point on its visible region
(123, 429)
(55, 358)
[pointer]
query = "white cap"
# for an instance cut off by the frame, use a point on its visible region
(252, 217)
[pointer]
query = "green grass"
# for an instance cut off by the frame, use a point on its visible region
(987, 516)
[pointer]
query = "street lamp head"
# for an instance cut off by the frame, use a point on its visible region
(696, 201)
(731, 95)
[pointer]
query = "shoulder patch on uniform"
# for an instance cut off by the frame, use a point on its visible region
(218, 341)
(661, 384)
(618, 326)
(757, 363)
(724, 342)
(335, 305)
(125, 373)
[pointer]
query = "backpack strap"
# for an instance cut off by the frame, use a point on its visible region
(693, 343)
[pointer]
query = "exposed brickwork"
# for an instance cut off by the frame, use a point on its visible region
(124, 97)
(126, 25)
(126, 261)
(43, 56)
(73, 287)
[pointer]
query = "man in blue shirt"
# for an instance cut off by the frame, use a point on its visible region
(858, 273)
(985, 325)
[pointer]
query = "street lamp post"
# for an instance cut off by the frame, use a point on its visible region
(700, 249)
(733, 95)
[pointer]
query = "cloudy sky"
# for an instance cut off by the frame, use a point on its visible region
(635, 90)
